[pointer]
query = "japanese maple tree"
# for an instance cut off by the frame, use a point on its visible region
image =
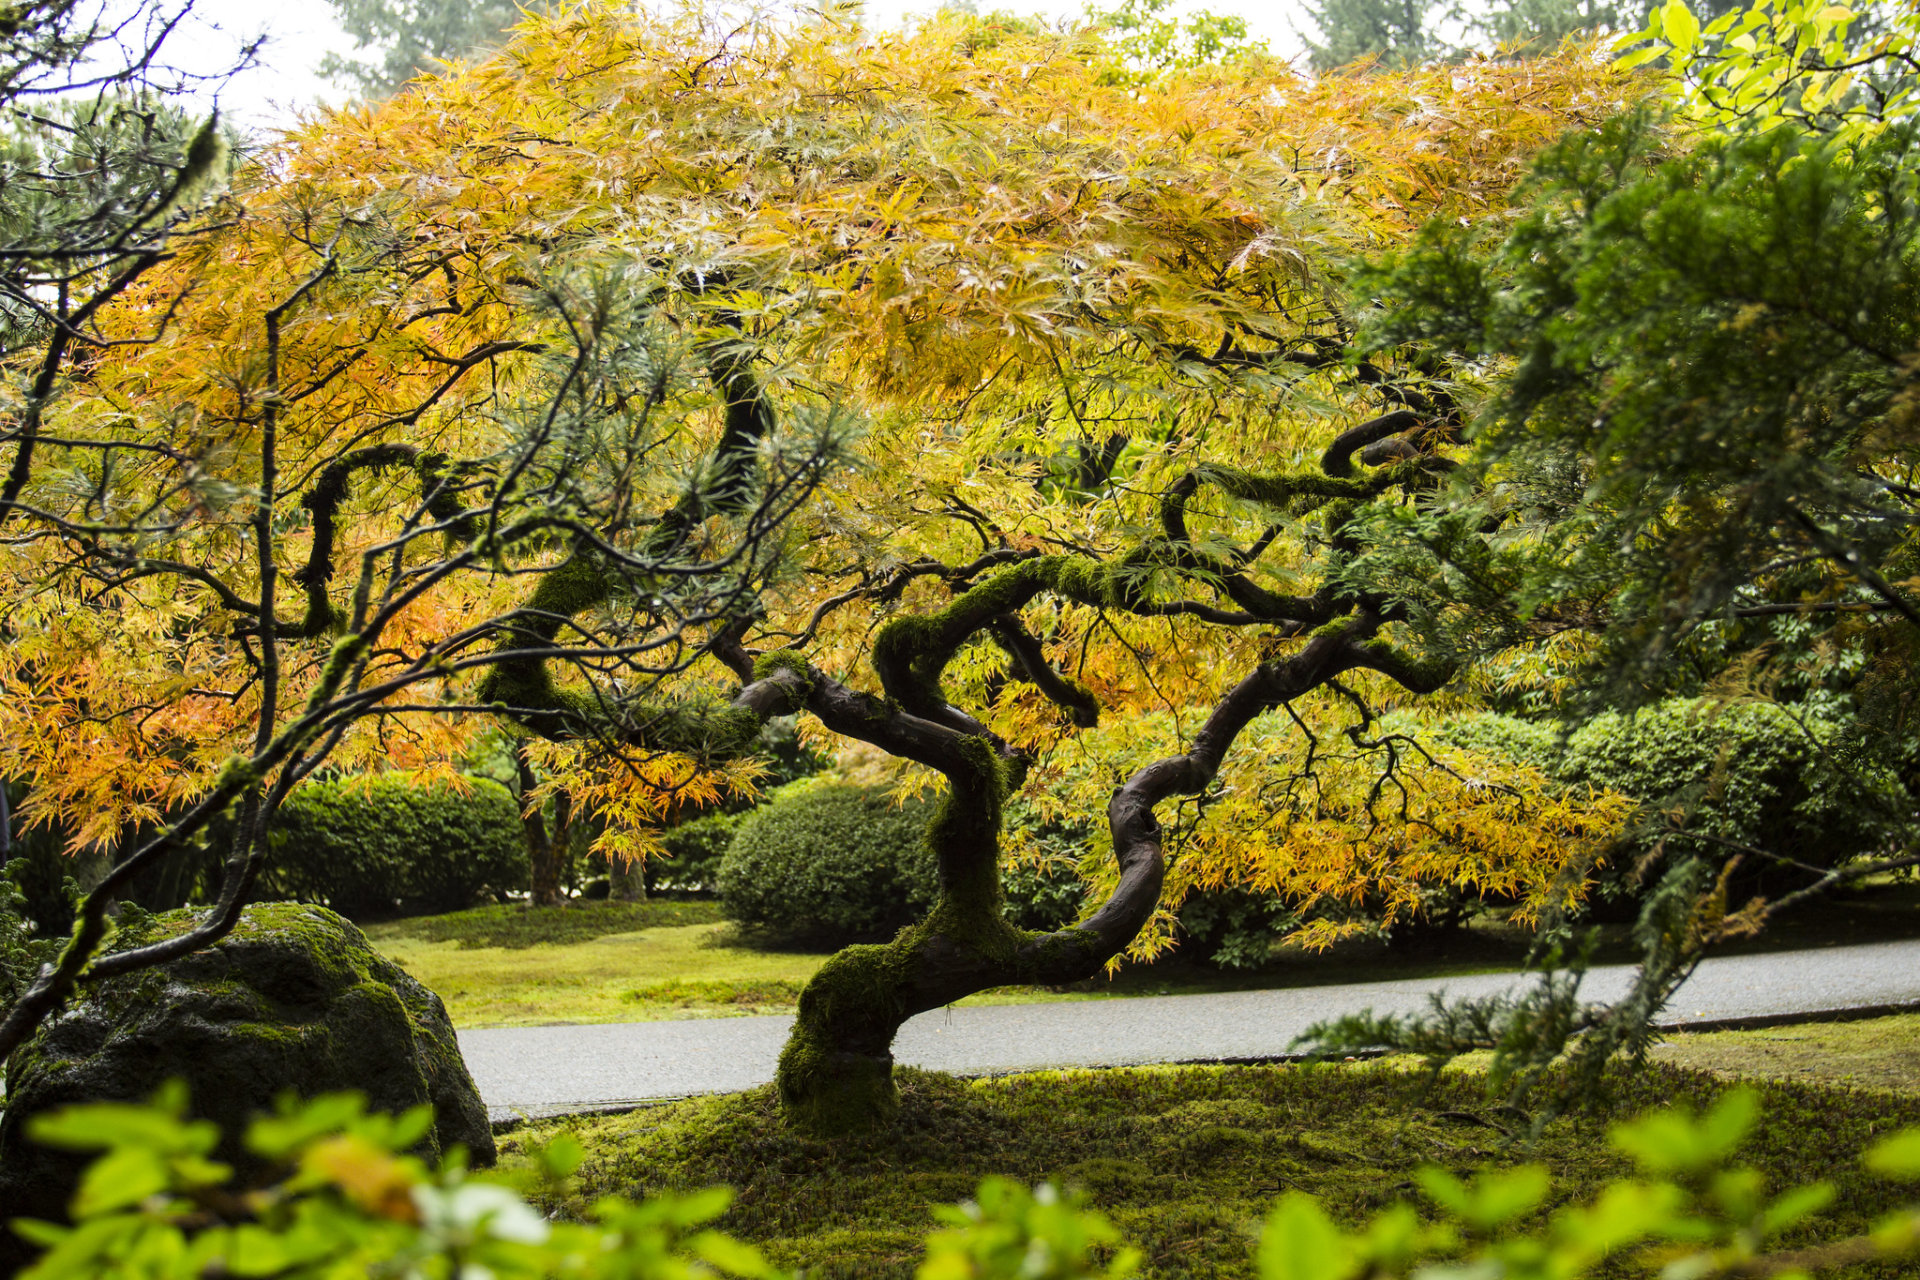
(655, 377)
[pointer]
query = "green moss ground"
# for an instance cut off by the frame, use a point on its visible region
(1185, 1160)
(1875, 1053)
(515, 926)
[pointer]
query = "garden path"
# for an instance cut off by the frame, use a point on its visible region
(534, 1071)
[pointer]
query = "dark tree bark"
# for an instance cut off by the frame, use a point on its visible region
(546, 847)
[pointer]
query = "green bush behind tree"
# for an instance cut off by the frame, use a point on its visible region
(1793, 781)
(831, 862)
(370, 846)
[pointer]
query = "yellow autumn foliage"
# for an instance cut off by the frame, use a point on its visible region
(994, 264)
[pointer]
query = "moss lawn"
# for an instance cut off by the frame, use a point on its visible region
(1185, 1160)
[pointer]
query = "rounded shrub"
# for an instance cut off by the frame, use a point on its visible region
(1751, 773)
(375, 845)
(830, 862)
(1795, 782)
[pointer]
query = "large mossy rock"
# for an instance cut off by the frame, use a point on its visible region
(293, 999)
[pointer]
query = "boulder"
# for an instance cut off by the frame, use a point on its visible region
(293, 999)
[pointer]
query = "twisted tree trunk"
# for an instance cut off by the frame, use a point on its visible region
(836, 1072)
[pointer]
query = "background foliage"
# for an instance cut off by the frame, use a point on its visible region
(382, 843)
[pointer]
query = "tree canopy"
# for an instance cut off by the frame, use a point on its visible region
(971, 388)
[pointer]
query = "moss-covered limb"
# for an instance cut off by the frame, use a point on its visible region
(1414, 672)
(1338, 459)
(1078, 700)
(1300, 489)
(911, 653)
(1180, 553)
(726, 484)
(331, 490)
(522, 682)
(965, 837)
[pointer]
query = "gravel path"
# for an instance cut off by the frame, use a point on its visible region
(531, 1071)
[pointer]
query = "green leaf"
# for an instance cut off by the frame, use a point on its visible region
(99, 1125)
(731, 1256)
(1491, 1198)
(1896, 1157)
(1445, 1190)
(1505, 1194)
(561, 1156)
(118, 1179)
(298, 1123)
(1674, 1141)
(1301, 1243)
(1624, 1213)
(1679, 24)
(1796, 1206)
(251, 1250)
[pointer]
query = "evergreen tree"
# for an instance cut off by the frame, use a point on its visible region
(412, 36)
(1399, 33)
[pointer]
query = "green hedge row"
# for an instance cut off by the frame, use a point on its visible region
(1795, 782)
(371, 846)
(831, 862)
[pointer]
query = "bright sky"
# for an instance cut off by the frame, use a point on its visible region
(301, 32)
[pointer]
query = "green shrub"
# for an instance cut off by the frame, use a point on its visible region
(830, 862)
(1540, 744)
(1795, 782)
(833, 862)
(1042, 898)
(370, 846)
(1234, 928)
(1750, 773)
(1043, 893)
(694, 852)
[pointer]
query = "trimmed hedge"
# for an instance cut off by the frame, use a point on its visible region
(830, 863)
(375, 845)
(1747, 772)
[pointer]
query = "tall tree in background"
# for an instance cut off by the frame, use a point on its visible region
(1395, 33)
(412, 38)
(100, 172)
(1406, 33)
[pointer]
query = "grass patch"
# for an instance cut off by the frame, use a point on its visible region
(1873, 1053)
(768, 996)
(1186, 1160)
(592, 981)
(516, 926)
(607, 961)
